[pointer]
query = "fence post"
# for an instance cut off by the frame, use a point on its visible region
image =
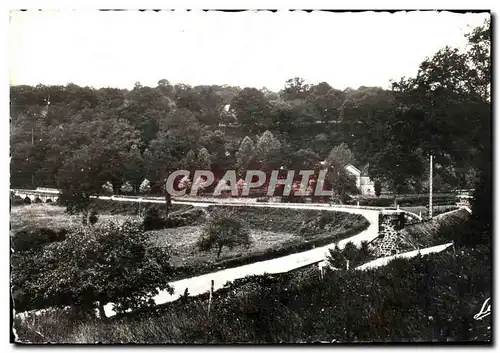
(210, 296)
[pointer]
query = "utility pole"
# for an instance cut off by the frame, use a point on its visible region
(32, 144)
(430, 188)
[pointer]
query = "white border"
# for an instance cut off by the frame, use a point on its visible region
(192, 4)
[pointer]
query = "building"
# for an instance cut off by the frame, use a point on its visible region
(363, 182)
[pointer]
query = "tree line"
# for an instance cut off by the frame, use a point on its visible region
(80, 138)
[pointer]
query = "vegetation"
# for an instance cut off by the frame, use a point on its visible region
(349, 256)
(93, 266)
(124, 137)
(95, 137)
(223, 230)
(427, 299)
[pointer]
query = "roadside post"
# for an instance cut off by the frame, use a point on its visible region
(210, 297)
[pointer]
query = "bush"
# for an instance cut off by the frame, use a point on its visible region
(93, 266)
(153, 220)
(93, 218)
(16, 200)
(339, 258)
(30, 239)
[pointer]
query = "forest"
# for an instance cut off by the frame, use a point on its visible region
(80, 138)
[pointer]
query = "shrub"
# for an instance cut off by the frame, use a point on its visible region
(107, 188)
(30, 239)
(93, 218)
(94, 266)
(127, 188)
(16, 200)
(153, 220)
(222, 230)
(339, 259)
(145, 186)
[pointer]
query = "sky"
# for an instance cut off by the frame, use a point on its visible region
(246, 49)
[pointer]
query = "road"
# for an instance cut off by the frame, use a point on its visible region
(201, 284)
(385, 260)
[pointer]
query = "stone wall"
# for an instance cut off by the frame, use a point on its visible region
(390, 240)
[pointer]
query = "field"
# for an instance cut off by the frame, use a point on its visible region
(50, 216)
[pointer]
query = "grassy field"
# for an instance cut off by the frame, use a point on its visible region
(50, 216)
(182, 244)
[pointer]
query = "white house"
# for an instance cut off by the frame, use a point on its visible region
(363, 182)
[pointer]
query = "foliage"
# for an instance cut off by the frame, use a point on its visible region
(145, 186)
(90, 268)
(349, 256)
(378, 188)
(153, 220)
(221, 230)
(426, 299)
(27, 239)
(268, 152)
(245, 157)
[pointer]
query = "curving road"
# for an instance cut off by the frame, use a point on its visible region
(201, 284)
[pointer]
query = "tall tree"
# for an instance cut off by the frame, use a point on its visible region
(245, 157)
(268, 152)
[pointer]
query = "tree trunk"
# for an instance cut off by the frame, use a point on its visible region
(168, 202)
(85, 217)
(218, 252)
(102, 313)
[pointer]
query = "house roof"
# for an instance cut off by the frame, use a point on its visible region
(353, 169)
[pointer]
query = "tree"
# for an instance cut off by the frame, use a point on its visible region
(341, 182)
(268, 152)
(295, 88)
(223, 230)
(109, 263)
(245, 157)
(304, 159)
(252, 110)
(145, 186)
(342, 155)
(203, 160)
(179, 134)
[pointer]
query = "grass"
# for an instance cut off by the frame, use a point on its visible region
(50, 216)
(428, 233)
(273, 232)
(184, 252)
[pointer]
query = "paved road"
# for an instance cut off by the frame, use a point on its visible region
(201, 284)
(385, 260)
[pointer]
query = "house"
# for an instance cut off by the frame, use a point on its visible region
(363, 182)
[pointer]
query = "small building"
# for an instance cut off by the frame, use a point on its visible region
(363, 182)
